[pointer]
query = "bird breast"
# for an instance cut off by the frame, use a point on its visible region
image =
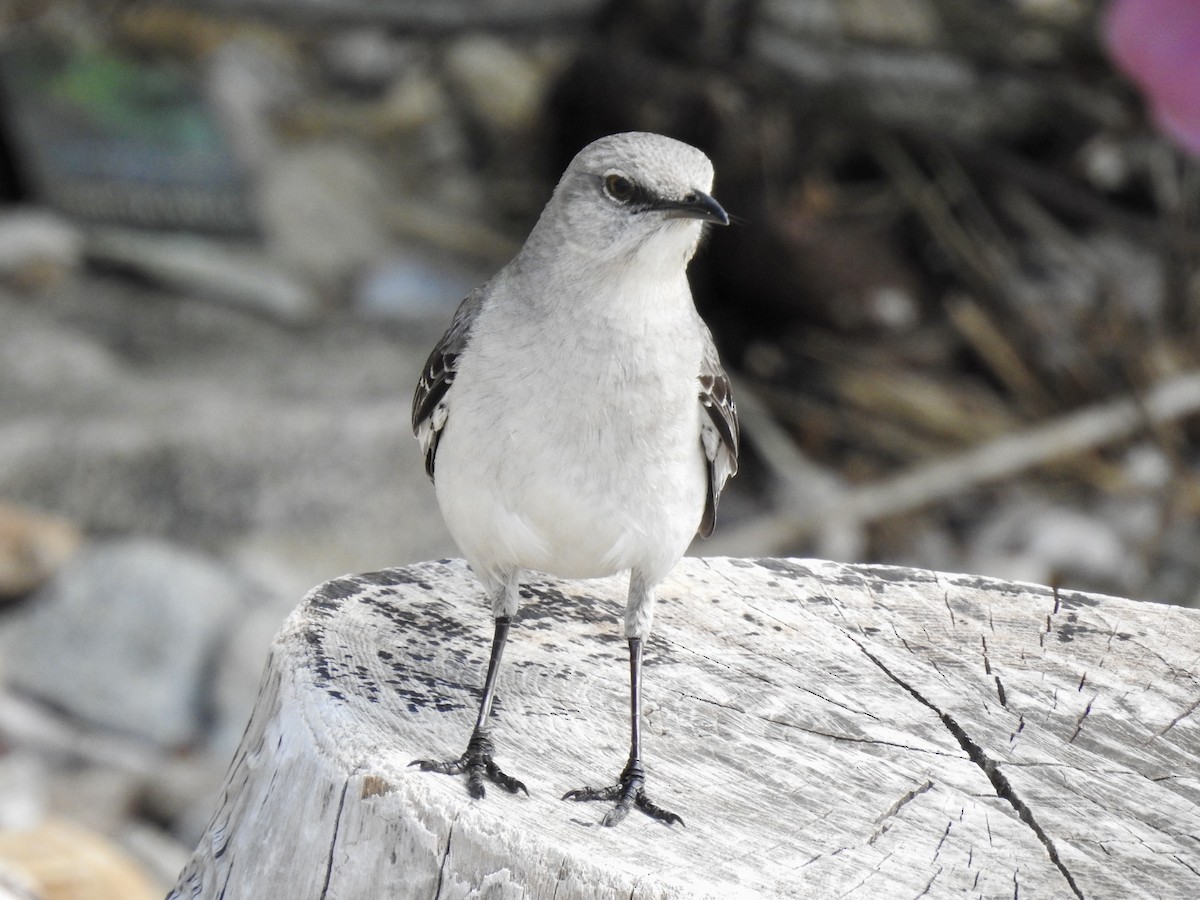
(593, 462)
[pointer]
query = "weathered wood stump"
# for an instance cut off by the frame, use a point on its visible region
(825, 730)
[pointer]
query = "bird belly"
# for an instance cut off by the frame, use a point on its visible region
(586, 493)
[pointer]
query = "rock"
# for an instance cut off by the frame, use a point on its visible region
(125, 636)
(912, 23)
(96, 796)
(503, 87)
(1032, 541)
(416, 104)
(238, 671)
(48, 358)
(98, 778)
(16, 885)
(412, 99)
(232, 273)
(456, 228)
(247, 81)
(37, 247)
(221, 430)
(59, 860)
(179, 793)
(160, 855)
(33, 546)
(363, 58)
(22, 790)
(321, 208)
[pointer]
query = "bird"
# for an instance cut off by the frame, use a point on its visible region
(575, 417)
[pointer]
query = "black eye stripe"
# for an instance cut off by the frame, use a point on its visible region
(626, 191)
(619, 187)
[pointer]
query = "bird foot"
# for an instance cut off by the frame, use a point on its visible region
(477, 762)
(629, 793)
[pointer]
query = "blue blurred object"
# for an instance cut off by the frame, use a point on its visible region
(409, 285)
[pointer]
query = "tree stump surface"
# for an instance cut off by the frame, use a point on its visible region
(825, 730)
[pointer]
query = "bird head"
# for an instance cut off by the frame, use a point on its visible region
(630, 193)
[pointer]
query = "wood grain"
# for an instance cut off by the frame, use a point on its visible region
(825, 730)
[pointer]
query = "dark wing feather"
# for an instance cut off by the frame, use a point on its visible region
(718, 432)
(429, 411)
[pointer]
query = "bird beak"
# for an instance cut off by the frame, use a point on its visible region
(695, 205)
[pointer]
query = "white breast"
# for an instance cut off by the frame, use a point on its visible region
(584, 457)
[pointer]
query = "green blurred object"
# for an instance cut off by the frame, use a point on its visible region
(108, 137)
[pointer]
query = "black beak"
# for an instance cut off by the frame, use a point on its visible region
(694, 205)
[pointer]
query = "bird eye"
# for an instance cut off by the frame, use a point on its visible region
(619, 187)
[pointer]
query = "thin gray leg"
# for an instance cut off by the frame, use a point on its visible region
(630, 790)
(477, 761)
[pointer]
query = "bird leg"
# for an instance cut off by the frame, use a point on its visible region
(477, 761)
(630, 790)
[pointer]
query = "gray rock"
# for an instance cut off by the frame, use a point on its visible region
(23, 788)
(39, 358)
(238, 676)
(232, 273)
(125, 637)
(503, 86)
(247, 81)
(1032, 541)
(16, 885)
(35, 237)
(363, 57)
(216, 429)
(323, 212)
(32, 547)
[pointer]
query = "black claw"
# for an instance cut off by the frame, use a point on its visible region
(615, 815)
(451, 767)
(628, 792)
(654, 811)
(507, 782)
(588, 793)
(477, 762)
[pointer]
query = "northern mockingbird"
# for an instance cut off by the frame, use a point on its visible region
(575, 417)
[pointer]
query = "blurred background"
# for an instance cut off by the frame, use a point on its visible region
(960, 305)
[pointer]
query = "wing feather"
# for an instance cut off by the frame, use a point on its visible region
(430, 403)
(718, 431)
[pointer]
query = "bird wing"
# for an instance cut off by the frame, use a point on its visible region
(718, 430)
(429, 410)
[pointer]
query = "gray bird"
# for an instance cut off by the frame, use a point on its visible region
(575, 417)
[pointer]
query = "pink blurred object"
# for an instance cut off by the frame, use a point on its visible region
(1157, 43)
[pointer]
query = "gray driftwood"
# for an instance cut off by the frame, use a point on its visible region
(825, 730)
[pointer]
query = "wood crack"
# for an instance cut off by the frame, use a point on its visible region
(228, 878)
(1179, 718)
(945, 834)
(337, 826)
(990, 768)
(1079, 722)
(437, 891)
(1186, 864)
(816, 732)
(896, 807)
(929, 884)
(987, 670)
